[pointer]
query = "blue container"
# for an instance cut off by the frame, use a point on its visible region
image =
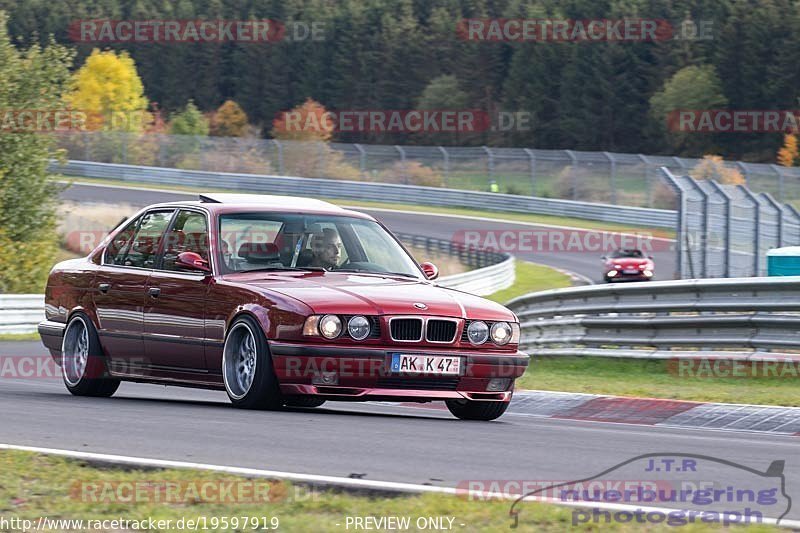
(784, 261)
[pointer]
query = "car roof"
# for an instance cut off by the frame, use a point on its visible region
(240, 203)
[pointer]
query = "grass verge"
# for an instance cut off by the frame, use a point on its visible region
(531, 277)
(653, 379)
(516, 217)
(19, 337)
(33, 485)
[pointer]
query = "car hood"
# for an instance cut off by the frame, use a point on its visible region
(629, 261)
(348, 294)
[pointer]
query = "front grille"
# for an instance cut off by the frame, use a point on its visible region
(441, 331)
(418, 384)
(406, 329)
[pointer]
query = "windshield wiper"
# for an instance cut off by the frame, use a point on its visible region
(377, 273)
(286, 269)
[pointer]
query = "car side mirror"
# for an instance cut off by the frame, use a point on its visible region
(192, 261)
(604, 258)
(430, 270)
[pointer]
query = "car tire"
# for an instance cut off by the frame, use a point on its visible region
(476, 410)
(303, 401)
(83, 363)
(247, 370)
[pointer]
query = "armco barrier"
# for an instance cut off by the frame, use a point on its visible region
(361, 190)
(20, 313)
(735, 318)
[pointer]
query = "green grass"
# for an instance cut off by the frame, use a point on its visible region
(516, 217)
(9, 337)
(34, 485)
(653, 379)
(531, 278)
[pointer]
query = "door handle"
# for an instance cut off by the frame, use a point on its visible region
(104, 287)
(154, 292)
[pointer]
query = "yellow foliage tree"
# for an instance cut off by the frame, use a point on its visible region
(108, 89)
(229, 120)
(788, 154)
(712, 167)
(307, 122)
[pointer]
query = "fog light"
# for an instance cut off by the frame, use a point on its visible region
(648, 273)
(325, 378)
(612, 274)
(498, 385)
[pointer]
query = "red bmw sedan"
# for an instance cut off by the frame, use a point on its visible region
(279, 301)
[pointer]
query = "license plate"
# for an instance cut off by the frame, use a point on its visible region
(629, 271)
(426, 364)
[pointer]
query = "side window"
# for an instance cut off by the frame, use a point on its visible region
(188, 234)
(138, 243)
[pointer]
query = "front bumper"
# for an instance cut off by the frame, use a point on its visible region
(364, 373)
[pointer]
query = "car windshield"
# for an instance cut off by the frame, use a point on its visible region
(620, 254)
(268, 241)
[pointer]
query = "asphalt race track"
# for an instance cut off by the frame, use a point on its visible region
(378, 442)
(586, 263)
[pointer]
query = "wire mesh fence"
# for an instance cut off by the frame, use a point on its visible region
(726, 230)
(599, 177)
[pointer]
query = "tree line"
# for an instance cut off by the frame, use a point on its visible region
(410, 54)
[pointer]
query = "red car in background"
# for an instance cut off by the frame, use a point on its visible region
(279, 301)
(628, 265)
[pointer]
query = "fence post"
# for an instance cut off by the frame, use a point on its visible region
(125, 148)
(745, 173)
(681, 223)
(613, 163)
(728, 226)
(573, 175)
(757, 226)
(532, 158)
(279, 146)
(779, 208)
(793, 210)
(446, 164)
(781, 184)
(323, 152)
(647, 179)
(403, 162)
(490, 161)
(706, 225)
(362, 159)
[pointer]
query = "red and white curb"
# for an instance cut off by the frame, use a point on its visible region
(774, 420)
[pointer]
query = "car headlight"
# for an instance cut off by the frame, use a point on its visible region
(330, 326)
(501, 333)
(478, 332)
(358, 327)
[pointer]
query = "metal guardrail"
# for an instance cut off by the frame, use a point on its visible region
(381, 192)
(753, 316)
(21, 313)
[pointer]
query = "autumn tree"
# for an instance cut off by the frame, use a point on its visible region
(229, 120)
(788, 154)
(108, 88)
(712, 167)
(189, 121)
(309, 121)
(32, 78)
